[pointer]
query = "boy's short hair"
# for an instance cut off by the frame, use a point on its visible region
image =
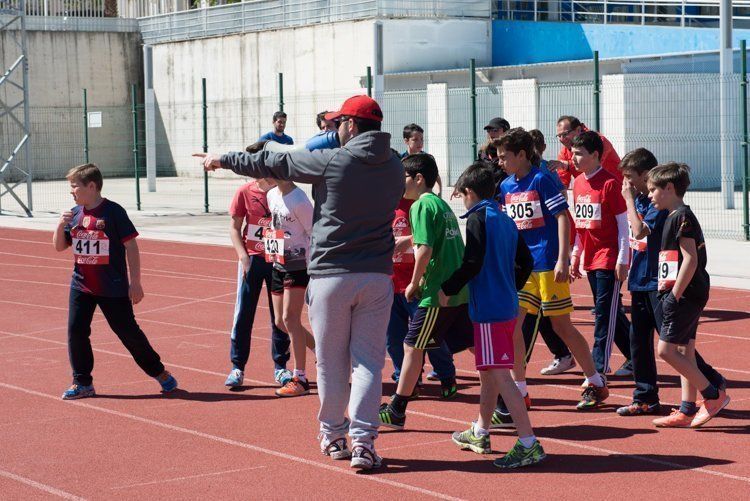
(672, 172)
(639, 160)
(86, 174)
(319, 118)
(516, 140)
(590, 141)
(411, 129)
(573, 121)
(256, 146)
(422, 163)
(278, 114)
(538, 138)
(479, 177)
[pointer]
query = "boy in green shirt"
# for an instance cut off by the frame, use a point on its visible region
(439, 252)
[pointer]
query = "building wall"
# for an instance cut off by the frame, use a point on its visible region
(526, 42)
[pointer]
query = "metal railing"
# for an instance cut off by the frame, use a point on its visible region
(271, 14)
(663, 12)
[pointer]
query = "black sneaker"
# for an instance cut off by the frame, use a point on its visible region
(390, 419)
(501, 417)
(639, 409)
(448, 389)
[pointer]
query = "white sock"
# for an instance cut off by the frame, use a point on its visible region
(299, 373)
(521, 385)
(478, 432)
(527, 441)
(596, 380)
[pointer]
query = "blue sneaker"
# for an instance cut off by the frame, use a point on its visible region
(235, 378)
(167, 381)
(282, 376)
(78, 391)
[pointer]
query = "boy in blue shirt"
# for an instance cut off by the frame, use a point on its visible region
(277, 134)
(104, 248)
(495, 264)
(540, 212)
(646, 228)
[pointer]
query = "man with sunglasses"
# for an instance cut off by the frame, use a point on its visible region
(356, 189)
(569, 128)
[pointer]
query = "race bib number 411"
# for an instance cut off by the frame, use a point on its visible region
(525, 209)
(588, 212)
(90, 247)
(668, 268)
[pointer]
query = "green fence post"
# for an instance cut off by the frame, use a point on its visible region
(133, 94)
(597, 92)
(473, 98)
(281, 92)
(205, 146)
(745, 146)
(369, 81)
(85, 127)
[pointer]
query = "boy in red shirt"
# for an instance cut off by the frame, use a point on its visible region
(250, 216)
(602, 235)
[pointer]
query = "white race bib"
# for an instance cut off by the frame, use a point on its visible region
(254, 230)
(525, 209)
(588, 212)
(273, 244)
(90, 247)
(668, 268)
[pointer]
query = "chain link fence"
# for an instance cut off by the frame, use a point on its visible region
(676, 116)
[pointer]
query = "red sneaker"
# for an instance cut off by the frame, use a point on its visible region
(709, 409)
(675, 420)
(294, 388)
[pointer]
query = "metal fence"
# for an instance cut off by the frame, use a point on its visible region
(676, 116)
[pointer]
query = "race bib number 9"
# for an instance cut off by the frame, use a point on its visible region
(668, 268)
(588, 212)
(525, 209)
(273, 243)
(90, 247)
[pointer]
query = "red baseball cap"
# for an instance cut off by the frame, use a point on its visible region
(360, 107)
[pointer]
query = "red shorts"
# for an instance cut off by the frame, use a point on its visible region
(493, 345)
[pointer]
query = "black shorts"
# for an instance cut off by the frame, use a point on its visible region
(281, 280)
(680, 319)
(430, 326)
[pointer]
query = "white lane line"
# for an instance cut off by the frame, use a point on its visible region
(189, 477)
(38, 485)
(235, 443)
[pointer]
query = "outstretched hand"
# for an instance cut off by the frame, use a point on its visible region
(210, 161)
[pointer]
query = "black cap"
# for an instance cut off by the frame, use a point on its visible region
(498, 123)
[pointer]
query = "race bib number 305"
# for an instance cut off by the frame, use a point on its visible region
(525, 209)
(90, 247)
(668, 268)
(588, 212)
(273, 243)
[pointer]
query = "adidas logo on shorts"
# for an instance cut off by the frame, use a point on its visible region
(504, 357)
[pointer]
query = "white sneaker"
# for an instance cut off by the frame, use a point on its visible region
(335, 449)
(559, 365)
(364, 458)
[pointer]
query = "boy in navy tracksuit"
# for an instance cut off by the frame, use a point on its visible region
(104, 247)
(496, 264)
(646, 228)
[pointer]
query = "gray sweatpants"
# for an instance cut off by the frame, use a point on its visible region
(349, 315)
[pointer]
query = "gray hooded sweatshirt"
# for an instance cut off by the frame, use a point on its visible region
(356, 189)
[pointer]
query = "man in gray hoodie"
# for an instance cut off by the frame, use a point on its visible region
(356, 189)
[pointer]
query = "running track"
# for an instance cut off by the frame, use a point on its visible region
(131, 442)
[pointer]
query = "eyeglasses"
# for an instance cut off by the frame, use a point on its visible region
(563, 133)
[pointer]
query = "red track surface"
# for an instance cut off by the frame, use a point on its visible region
(132, 442)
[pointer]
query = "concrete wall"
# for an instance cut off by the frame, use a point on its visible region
(61, 64)
(525, 42)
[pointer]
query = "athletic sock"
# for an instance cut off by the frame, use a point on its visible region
(479, 432)
(710, 392)
(521, 385)
(399, 403)
(688, 408)
(596, 380)
(300, 374)
(527, 441)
